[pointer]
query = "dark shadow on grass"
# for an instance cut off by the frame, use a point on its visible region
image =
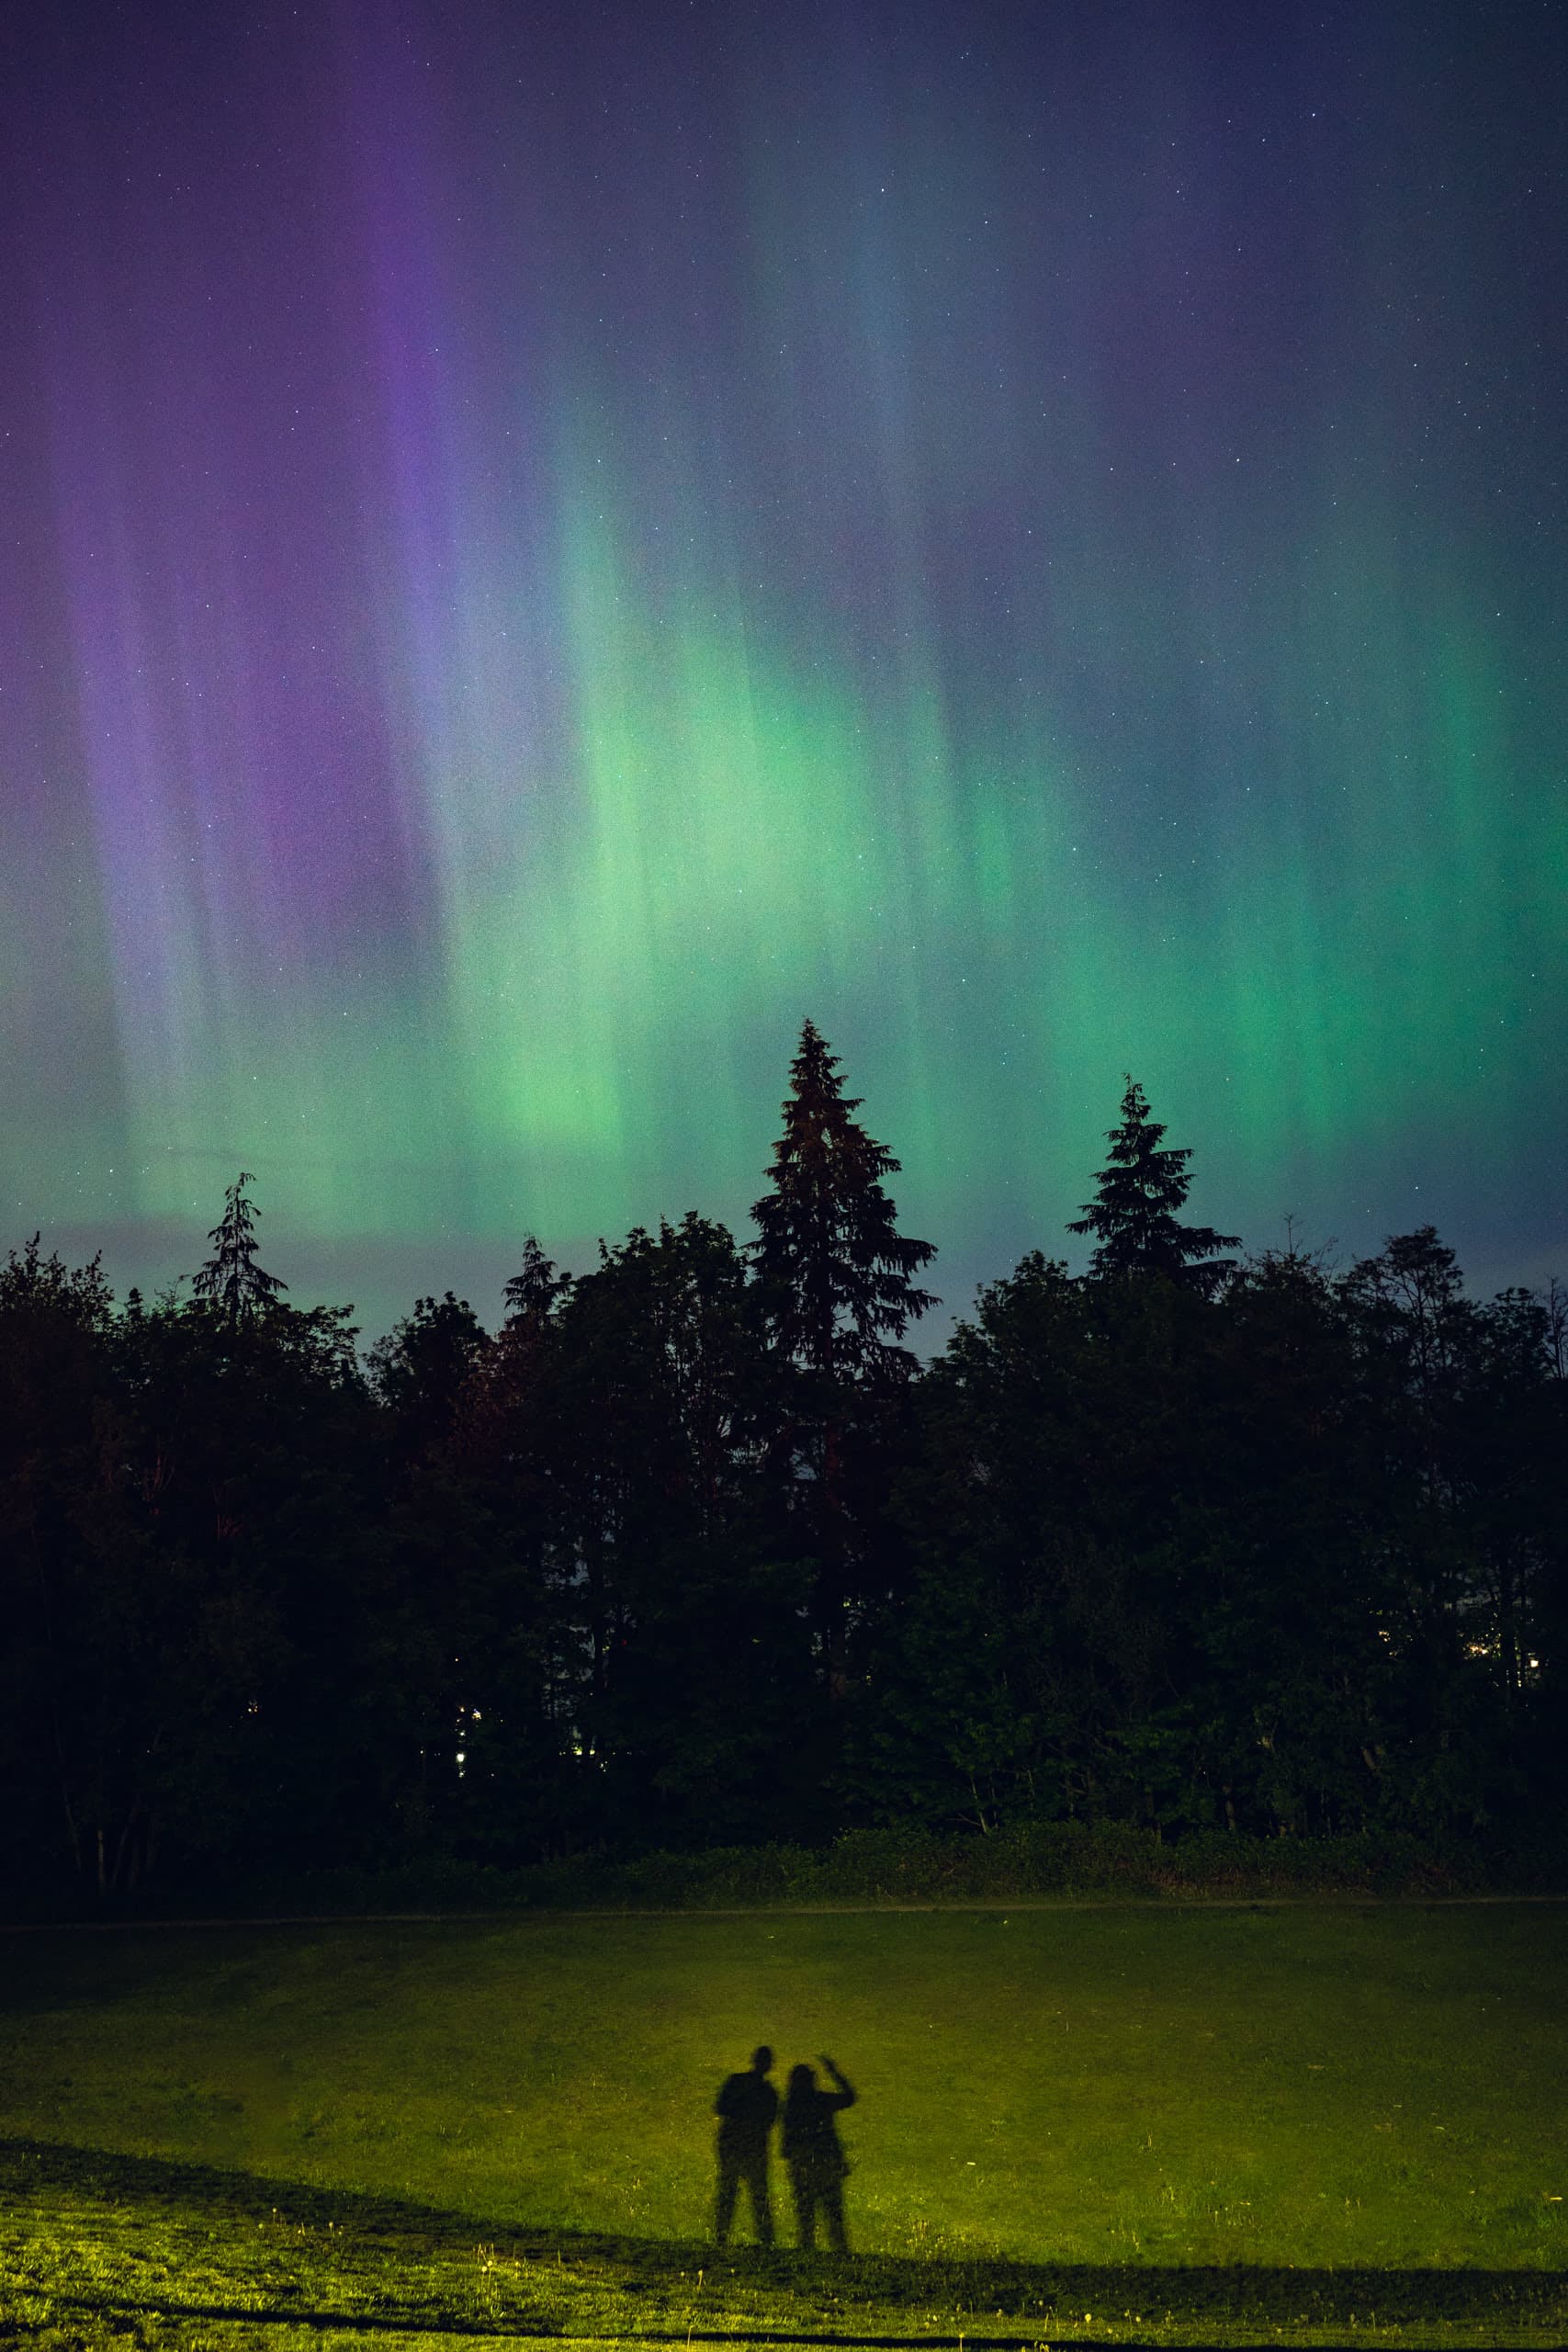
(981, 2292)
(352, 2321)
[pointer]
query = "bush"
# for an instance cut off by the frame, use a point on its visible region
(1061, 1860)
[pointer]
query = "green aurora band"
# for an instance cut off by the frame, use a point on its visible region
(917, 552)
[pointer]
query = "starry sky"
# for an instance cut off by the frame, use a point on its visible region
(540, 544)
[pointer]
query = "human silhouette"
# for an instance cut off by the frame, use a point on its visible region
(815, 2154)
(745, 2107)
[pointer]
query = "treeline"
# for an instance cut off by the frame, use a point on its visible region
(692, 1552)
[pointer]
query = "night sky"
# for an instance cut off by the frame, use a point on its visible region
(541, 544)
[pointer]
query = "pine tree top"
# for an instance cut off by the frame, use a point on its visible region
(836, 1272)
(1132, 1215)
(231, 1279)
(533, 1292)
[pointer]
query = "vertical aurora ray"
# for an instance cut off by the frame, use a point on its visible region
(546, 553)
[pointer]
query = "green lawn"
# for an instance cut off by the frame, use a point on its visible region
(1330, 2123)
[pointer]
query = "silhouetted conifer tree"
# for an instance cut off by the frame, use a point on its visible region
(238, 1287)
(1132, 1215)
(533, 1292)
(836, 1273)
(836, 1281)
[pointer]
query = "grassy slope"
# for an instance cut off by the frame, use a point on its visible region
(1061, 2111)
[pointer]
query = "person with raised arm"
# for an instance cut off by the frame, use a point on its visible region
(815, 2153)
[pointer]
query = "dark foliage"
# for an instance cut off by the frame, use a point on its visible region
(691, 1553)
(835, 1274)
(1132, 1214)
(231, 1280)
(836, 1292)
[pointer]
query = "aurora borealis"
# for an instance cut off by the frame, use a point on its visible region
(543, 544)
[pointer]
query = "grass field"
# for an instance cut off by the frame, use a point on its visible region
(1331, 2123)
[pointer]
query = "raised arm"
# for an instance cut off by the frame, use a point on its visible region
(845, 2094)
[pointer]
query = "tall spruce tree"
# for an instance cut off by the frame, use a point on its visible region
(836, 1273)
(1132, 1215)
(237, 1286)
(836, 1285)
(535, 1290)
